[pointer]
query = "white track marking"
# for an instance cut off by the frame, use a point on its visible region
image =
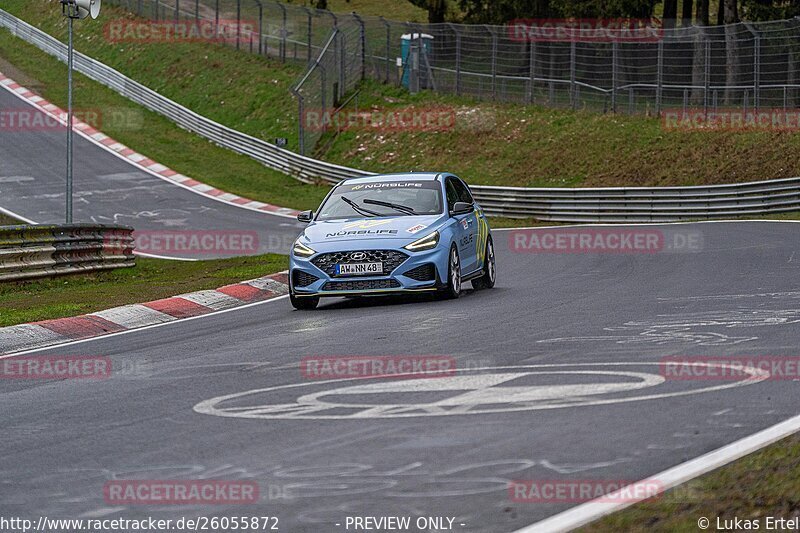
(588, 512)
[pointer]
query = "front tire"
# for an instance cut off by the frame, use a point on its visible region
(453, 288)
(486, 281)
(307, 303)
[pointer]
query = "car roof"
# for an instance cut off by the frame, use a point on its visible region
(420, 176)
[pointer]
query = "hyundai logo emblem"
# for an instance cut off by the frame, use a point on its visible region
(358, 256)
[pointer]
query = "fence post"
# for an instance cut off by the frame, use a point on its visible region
(342, 66)
(363, 44)
(458, 56)
(238, 22)
(707, 76)
(157, 9)
(531, 97)
(572, 73)
(494, 60)
(139, 8)
(283, 32)
(177, 11)
(614, 60)
(388, 47)
(216, 15)
(756, 65)
(659, 76)
(260, 27)
(196, 9)
(309, 28)
(300, 126)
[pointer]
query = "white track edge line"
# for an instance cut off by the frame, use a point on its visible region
(588, 512)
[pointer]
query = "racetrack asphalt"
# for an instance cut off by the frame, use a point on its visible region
(109, 190)
(322, 450)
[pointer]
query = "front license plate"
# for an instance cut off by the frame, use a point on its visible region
(343, 269)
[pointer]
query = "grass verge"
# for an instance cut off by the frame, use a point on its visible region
(764, 483)
(150, 279)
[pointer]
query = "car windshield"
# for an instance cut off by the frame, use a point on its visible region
(387, 198)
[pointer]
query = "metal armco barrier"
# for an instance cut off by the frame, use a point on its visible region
(51, 250)
(611, 204)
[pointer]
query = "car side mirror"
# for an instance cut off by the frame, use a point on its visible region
(461, 208)
(305, 216)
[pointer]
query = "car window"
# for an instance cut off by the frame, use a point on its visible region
(452, 193)
(463, 191)
(409, 197)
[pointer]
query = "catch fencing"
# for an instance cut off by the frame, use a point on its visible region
(50, 250)
(745, 65)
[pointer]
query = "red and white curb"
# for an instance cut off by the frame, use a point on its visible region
(51, 332)
(136, 159)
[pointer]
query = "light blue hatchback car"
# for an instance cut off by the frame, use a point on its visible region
(395, 233)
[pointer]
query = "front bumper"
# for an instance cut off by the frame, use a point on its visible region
(303, 270)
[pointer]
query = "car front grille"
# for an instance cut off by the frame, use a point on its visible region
(361, 285)
(391, 259)
(303, 279)
(426, 272)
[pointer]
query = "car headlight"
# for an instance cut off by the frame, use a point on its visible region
(301, 250)
(425, 243)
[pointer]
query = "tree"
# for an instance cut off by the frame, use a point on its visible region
(670, 13)
(701, 15)
(686, 13)
(437, 9)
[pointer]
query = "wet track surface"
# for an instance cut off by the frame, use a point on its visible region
(108, 190)
(559, 378)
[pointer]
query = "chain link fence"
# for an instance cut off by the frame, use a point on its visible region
(744, 66)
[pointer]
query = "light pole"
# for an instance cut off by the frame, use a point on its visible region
(74, 9)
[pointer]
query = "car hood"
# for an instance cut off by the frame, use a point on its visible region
(407, 228)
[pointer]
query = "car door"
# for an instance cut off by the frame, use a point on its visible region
(467, 226)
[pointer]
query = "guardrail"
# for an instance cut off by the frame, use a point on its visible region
(51, 250)
(613, 204)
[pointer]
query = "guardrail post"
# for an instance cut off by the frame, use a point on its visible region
(388, 48)
(614, 62)
(572, 51)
